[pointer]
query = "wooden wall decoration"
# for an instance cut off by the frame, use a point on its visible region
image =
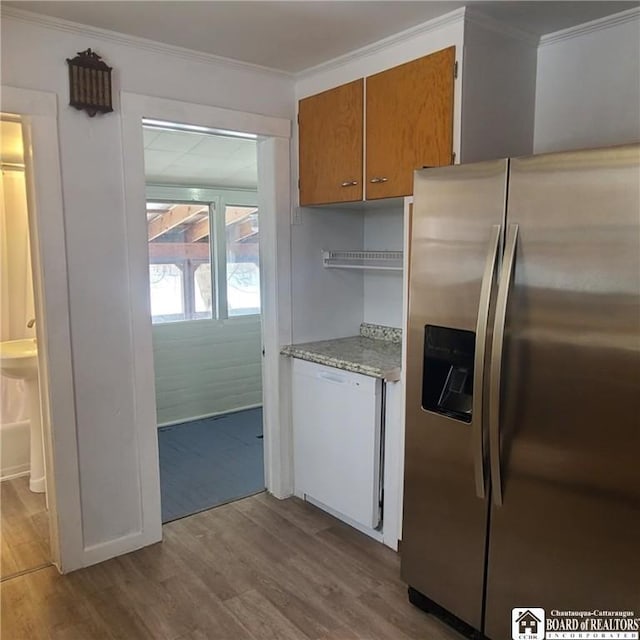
(89, 83)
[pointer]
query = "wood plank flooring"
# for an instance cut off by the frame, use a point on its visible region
(256, 569)
(24, 527)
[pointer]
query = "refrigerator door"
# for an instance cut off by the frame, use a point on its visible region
(566, 536)
(457, 220)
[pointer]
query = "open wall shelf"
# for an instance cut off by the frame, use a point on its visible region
(381, 260)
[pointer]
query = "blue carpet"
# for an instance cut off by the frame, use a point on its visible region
(208, 462)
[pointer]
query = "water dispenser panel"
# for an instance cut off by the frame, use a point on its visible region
(447, 374)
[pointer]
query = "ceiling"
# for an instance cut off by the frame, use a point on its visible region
(186, 158)
(296, 35)
(174, 157)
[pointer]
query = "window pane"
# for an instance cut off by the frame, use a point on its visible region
(179, 261)
(243, 264)
(202, 288)
(166, 292)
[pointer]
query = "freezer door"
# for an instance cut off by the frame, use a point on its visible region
(566, 536)
(457, 219)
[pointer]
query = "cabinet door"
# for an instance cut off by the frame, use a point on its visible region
(409, 122)
(330, 129)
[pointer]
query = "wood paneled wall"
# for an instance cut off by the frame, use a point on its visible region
(205, 367)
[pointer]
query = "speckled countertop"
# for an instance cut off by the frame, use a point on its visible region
(375, 352)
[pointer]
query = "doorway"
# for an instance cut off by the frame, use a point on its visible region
(202, 221)
(274, 202)
(24, 507)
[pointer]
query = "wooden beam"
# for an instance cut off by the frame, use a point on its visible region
(172, 218)
(235, 214)
(178, 251)
(244, 230)
(251, 234)
(198, 230)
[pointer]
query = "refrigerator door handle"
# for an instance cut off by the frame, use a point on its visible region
(478, 433)
(495, 374)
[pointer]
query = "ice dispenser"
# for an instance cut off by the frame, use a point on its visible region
(447, 374)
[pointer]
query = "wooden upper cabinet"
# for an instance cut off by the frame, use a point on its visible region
(409, 122)
(330, 140)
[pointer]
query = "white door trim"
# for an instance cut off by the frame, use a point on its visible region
(38, 111)
(274, 203)
(274, 193)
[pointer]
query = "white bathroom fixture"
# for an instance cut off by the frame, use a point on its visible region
(19, 360)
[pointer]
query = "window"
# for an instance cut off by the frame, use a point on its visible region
(183, 283)
(179, 261)
(202, 288)
(167, 295)
(243, 264)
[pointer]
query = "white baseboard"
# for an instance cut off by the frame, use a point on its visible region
(14, 472)
(106, 550)
(14, 437)
(217, 414)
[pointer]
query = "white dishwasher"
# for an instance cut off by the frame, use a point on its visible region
(337, 424)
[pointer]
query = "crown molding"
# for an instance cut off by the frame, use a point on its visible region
(154, 46)
(425, 27)
(475, 17)
(589, 27)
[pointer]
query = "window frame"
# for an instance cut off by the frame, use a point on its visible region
(217, 200)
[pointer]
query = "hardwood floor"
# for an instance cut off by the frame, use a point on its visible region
(24, 528)
(256, 569)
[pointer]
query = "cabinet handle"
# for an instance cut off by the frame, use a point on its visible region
(377, 180)
(349, 183)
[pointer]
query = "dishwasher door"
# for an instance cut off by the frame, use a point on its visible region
(337, 419)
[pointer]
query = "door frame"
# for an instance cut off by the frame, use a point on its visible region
(38, 113)
(275, 274)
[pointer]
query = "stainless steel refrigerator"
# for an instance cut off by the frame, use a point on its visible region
(522, 463)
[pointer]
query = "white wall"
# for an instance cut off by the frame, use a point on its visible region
(383, 230)
(206, 367)
(326, 303)
(498, 91)
(588, 86)
(33, 56)
(331, 303)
